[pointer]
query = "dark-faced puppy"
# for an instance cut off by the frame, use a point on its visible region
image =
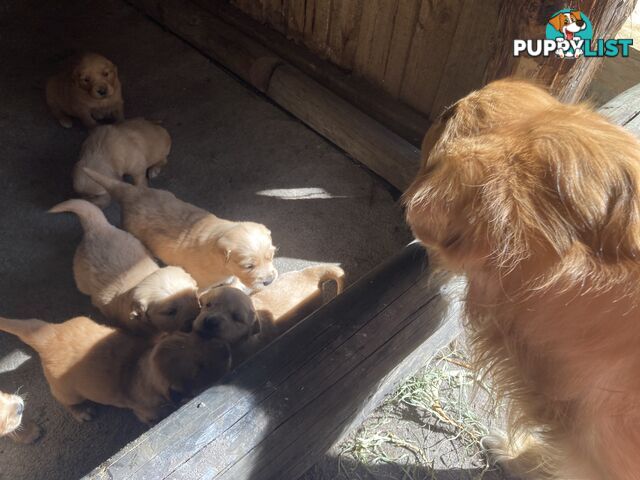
(227, 314)
(88, 88)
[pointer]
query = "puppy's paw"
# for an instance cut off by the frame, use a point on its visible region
(82, 413)
(29, 433)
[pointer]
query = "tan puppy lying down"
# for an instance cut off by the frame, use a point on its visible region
(210, 249)
(87, 88)
(123, 281)
(250, 323)
(11, 421)
(132, 147)
(85, 361)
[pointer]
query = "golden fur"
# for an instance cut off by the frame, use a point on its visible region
(133, 147)
(123, 281)
(12, 422)
(538, 203)
(83, 360)
(248, 323)
(88, 88)
(212, 250)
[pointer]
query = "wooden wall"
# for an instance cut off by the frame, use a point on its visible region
(407, 47)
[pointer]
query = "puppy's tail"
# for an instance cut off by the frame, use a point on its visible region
(90, 216)
(331, 272)
(117, 188)
(32, 332)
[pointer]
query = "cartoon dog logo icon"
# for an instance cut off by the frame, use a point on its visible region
(568, 23)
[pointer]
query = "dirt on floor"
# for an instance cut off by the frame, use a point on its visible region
(234, 153)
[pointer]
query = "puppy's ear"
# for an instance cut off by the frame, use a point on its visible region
(226, 248)
(557, 22)
(139, 312)
(255, 328)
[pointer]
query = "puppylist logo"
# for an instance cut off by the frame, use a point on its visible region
(569, 34)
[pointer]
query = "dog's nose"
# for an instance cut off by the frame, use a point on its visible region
(209, 328)
(580, 23)
(19, 408)
(102, 91)
(268, 281)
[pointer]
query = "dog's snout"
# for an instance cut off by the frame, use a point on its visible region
(19, 408)
(209, 328)
(580, 23)
(268, 281)
(102, 91)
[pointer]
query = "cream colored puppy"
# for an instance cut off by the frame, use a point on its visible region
(11, 420)
(123, 281)
(83, 360)
(248, 323)
(133, 147)
(212, 250)
(88, 88)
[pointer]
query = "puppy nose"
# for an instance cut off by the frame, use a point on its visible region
(268, 281)
(102, 91)
(209, 328)
(580, 23)
(19, 408)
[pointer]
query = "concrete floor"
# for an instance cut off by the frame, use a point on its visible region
(233, 153)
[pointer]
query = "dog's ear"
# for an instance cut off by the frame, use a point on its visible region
(139, 311)
(557, 22)
(226, 247)
(256, 327)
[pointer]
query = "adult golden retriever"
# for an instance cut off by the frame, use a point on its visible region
(538, 203)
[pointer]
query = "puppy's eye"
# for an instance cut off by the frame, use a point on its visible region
(209, 304)
(105, 73)
(249, 267)
(236, 318)
(85, 79)
(171, 312)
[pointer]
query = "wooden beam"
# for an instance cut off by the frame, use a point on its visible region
(624, 110)
(374, 101)
(279, 412)
(365, 139)
(527, 19)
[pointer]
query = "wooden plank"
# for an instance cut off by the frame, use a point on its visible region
(430, 46)
(395, 115)
(362, 137)
(296, 18)
(471, 50)
(374, 38)
(317, 26)
(617, 75)
(366, 140)
(274, 14)
(624, 110)
(343, 31)
(356, 344)
(404, 27)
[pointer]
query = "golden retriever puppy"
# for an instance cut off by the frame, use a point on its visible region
(88, 88)
(541, 211)
(134, 147)
(11, 420)
(123, 281)
(212, 250)
(248, 323)
(85, 361)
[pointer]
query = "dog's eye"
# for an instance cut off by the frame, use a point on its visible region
(209, 304)
(171, 312)
(105, 73)
(85, 79)
(249, 267)
(236, 318)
